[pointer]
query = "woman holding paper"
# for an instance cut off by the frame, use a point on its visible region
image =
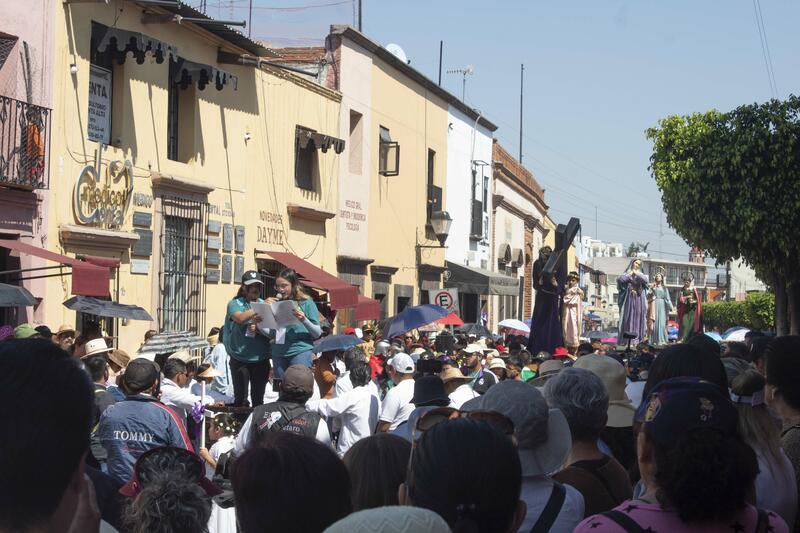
(247, 347)
(294, 343)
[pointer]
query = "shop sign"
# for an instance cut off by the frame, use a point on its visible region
(102, 199)
(99, 124)
(447, 298)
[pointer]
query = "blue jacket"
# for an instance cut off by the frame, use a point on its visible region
(135, 425)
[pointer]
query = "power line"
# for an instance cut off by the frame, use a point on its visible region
(762, 34)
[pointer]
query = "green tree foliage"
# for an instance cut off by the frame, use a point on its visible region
(730, 184)
(757, 311)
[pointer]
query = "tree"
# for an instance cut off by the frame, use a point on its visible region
(730, 184)
(635, 248)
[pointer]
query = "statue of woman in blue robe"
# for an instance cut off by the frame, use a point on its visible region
(632, 288)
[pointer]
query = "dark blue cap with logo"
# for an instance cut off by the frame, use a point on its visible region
(677, 406)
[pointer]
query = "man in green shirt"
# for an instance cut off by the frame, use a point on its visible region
(247, 346)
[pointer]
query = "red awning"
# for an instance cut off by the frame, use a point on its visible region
(367, 309)
(108, 262)
(87, 279)
(342, 294)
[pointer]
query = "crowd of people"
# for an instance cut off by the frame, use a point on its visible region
(261, 433)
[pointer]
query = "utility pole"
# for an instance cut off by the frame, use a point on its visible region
(359, 16)
(250, 21)
(441, 47)
(596, 233)
(660, 232)
(521, 80)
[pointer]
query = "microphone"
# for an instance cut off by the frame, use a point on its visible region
(279, 296)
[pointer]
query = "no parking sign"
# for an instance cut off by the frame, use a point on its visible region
(447, 298)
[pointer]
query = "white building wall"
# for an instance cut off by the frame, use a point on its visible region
(743, 280)
(462, 133)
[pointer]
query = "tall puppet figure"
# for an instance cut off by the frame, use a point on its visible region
(546, 324)
(573, 312)
(659, 306)
(690, 309)
(632, 288)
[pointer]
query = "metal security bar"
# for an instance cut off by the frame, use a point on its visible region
(24, 144)
(181, 284)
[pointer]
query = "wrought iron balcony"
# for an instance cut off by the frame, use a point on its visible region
(24, 144)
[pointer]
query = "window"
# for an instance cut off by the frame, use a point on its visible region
(388, 154)
(476, 222)
(356, 142)
(384, 304)
(306, 163)
(402, 303)
(181, 272)
(172, 120)
(434, 192)
(615, 300)
(485, 194)
(181, 103)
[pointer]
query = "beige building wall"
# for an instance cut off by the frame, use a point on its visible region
(240, 160)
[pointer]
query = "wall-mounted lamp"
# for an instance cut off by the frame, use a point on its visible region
(73, 69)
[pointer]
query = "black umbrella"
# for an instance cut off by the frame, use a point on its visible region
(473, 328)
(600, 335)
(172, 341)
(14, 296)
(107, 308)
(336, 342)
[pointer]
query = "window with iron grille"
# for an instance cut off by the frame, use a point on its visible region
(388, 154)
(182, 305)
(306, 164)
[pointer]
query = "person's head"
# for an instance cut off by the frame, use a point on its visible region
(26, 331)
(288, 286)
(582, 397)
(750, 336)
(685, 360)
(97, 368)
(706, 343)
(498, 367)
(756, 423)
(168, 492)
(690, 452)
(430, 391)
(44, 332)
(369, 334)
(65, 336)
(688, 280)
(401, 367)
(544, 253)
(141, 376)
(149, 334)
(440, 479)
(377, 466)
(352, 356)
(572, 279)
(45, 425)
(176, 371)
(473, 354)
(408, 340)
(757, 349)
(251, 286)
(453, 379)
(514, 367)
(658, 278)
(612, 374)
(297, 384)
(360, 374)
(584, 348)
(291, 484)
(222, 425)
(782, 372)
(737, 349)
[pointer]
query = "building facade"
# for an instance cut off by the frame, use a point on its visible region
(179, 161)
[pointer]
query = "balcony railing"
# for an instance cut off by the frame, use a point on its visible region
(24, 144)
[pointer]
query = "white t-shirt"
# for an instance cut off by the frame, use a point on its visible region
(357, 410)
(536, 491)
(462, 394)
(397, 403)
(223, 445)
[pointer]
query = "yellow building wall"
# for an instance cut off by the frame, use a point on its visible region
(252, 181)
(417, 120)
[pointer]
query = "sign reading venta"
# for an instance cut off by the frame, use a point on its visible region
(99, 123)
(102, 199)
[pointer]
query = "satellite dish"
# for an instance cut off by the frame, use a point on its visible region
(397, 52)
(470, 70)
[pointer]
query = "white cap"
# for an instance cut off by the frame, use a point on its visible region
(359, 333)
(403, 363)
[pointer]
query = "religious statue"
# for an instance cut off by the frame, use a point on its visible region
(573, 312)
(690, 309)
(659, 304)
(632, 288)
(546, 331)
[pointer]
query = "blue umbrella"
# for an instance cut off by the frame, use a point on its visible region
(412, 318)
(714, 335)
(336, 342)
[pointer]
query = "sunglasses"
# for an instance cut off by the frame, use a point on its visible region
(442, 414)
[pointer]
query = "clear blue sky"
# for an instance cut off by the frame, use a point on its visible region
(597, 74)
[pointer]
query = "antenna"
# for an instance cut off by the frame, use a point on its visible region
(469, 70)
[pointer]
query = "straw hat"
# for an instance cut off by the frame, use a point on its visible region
(65, 328)
(209, 372)
(185, 356)
(119, 358)
(96, 347)
(451, 374)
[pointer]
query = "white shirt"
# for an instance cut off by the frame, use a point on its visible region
(536, 491)
(223, 445)
(463, 393)
(634, 391)
(358, 411)
(397, 404)
(776, 488)
(220, 360)
(243, 438)
(180, 399)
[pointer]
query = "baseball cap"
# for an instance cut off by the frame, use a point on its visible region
(679, 405)
(250, 277)
(403, 363)
(140, 374)
(24, 331)
(474, 348)
(44, 331)
(543, 435)
(298, 377)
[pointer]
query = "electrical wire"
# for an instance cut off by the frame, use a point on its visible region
(762, 34)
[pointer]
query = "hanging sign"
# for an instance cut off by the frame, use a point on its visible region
(447, 298)
(99, 123)
(102, 199)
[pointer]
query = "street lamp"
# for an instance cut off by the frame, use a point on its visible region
(441, 222)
